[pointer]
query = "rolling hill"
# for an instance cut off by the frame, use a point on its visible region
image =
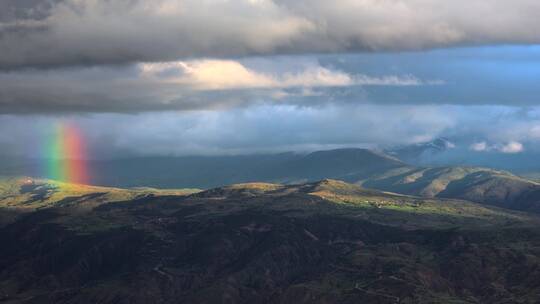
(318, 242)
(480, 185)
(369, 168)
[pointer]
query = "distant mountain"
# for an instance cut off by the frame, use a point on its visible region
(372, 169)
(214, 171)
(208, 172)
(442, 152)
(319, 242)
(343, 164)
(422, 152)
(480, 185)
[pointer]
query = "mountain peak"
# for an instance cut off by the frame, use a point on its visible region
(354, 152)
(416, 152)
(349, 164)
(336, 187)
(441, 143)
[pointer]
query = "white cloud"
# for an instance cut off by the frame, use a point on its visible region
(511, 147)
(206, 74)
(229, 74)
(534, 132)
(177, 85)
(479, 146)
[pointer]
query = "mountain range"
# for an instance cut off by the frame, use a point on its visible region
(318, 242)
(338, 226)
(372, 169)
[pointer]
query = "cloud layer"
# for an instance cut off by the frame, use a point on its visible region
(508, 148)
(276, 128)
(178, 85)
(263, 128)
(229, 74)
(219, 75)
(80, 32)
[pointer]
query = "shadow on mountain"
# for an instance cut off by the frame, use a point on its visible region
(324, 242)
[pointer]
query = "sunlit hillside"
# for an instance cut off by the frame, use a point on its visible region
(329, 239)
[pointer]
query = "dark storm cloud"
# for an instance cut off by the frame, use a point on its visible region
(78, 32)
(107, 56)
(96, 61)
(475, 76)
(13, 10)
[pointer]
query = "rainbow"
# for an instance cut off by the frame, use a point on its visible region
(66, 155)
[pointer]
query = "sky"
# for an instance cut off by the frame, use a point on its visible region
(164, 77)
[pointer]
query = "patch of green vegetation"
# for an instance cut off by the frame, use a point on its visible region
(264, 187)
(402, 209)
(40, 193)
(22, 195)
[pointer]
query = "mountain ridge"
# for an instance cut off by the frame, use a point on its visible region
(373, 169)
(320, 242)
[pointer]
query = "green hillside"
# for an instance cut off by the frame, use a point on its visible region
(487, 186)
(21, 195)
